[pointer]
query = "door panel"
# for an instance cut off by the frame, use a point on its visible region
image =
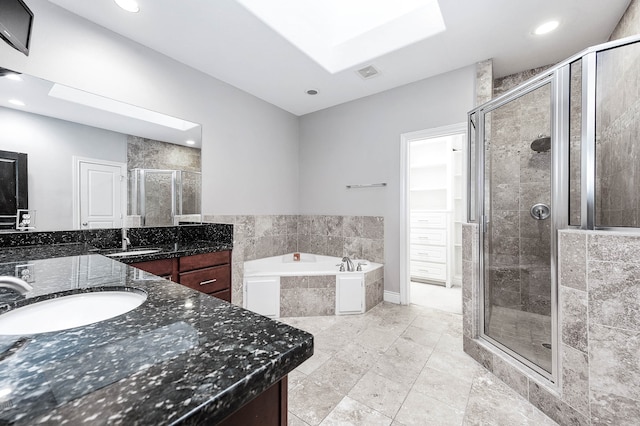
(101, 193)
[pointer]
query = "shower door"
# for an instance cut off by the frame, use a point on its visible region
(517, 236)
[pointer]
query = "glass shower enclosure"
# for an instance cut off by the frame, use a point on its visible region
(559, 151)
(164, 197)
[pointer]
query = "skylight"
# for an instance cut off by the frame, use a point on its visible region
(105, 104)
(339, 34)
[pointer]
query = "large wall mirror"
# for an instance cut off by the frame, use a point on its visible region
(94, 162)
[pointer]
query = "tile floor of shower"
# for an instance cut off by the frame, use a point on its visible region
(525, 333)
(398, 365)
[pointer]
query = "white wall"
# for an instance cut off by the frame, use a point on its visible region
(50, 145)
(359, 142)
(250, 147)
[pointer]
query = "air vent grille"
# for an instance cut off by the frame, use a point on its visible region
(368, 72)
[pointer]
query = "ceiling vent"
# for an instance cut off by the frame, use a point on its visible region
(368, 72)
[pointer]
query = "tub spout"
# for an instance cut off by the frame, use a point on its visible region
(350, 267)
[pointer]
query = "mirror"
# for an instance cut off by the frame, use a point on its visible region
(79, 144)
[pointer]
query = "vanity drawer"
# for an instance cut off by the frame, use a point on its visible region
(205, 260)
(208, 280)
(429, 253)
(162, 268)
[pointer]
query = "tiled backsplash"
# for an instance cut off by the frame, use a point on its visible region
(258, 236)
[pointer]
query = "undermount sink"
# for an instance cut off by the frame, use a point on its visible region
(133, 252)
(70, 311)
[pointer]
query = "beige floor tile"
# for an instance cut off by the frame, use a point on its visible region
(377, 338)
(339, 373)
(403, 361)
(363, 356)
(295, 421)
(420, 410)
(421, 336)
(443, 387)
(379, 393)
(351, 412)
(491, 402)
(312, 403)
(295, 378)
(309, 366)
(424, 375)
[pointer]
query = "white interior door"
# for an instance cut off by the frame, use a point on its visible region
(101, 193)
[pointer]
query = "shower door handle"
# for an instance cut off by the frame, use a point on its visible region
(540, 211)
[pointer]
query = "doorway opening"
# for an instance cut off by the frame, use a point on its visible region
(433, 208)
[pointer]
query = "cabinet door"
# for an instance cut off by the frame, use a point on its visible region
(349, 294)
(162, 268)
(262, 295)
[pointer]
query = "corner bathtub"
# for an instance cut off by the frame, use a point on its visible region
(279, 286)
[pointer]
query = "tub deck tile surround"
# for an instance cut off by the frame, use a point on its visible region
(258, 236)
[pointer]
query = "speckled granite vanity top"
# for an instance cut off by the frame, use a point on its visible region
(182, 357)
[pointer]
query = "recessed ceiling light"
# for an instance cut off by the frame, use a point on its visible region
(546, 28)
(128, 5)
(16, 102)
(190, 142)
(312, 92)
(14, 77)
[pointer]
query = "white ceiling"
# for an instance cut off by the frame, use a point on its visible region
(224, 40)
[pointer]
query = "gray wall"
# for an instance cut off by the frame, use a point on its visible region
(359, 142)
(250, 147)
(51, 144)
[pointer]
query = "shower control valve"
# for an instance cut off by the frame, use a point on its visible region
(540, 211)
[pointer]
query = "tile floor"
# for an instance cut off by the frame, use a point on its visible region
(398, 365)
(436, 296)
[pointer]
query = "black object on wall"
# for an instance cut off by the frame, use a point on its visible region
(15, 24)
(14, 192)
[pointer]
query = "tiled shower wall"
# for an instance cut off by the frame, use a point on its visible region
(519, 178)
(599, 329)
(258, 236)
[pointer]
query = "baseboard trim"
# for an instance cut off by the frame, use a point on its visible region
(392, 297)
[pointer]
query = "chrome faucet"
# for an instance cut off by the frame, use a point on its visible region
(15, 283)
(350, 267)
(125, 240)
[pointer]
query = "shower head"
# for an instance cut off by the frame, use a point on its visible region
(542, 144)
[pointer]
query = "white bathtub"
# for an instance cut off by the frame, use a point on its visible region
(309, 264)
(281, 286)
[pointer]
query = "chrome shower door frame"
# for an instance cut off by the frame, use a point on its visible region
(559, 80)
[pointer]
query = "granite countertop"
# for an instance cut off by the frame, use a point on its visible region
(167, 251)
(182, 357)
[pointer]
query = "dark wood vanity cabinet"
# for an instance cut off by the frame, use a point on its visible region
(208, 272)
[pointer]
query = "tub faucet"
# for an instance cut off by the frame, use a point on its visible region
(15, 283)
(350, 267)
(125, 240)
